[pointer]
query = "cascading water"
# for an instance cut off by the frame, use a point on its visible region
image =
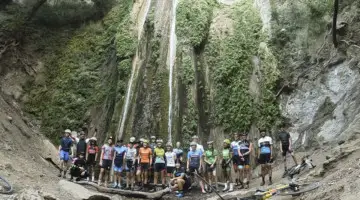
(172, 55)
(133, 72)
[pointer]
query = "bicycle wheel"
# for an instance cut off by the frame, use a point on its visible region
(5, 186)
(302, 189)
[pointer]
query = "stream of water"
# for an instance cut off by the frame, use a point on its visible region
(172, 59)
(134, 70)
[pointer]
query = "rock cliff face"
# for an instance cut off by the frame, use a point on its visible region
(179, 68)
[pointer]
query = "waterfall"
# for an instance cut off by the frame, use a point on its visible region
(133, 71)
(264, 7)
(172, 59)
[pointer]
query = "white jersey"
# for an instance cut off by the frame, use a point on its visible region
(130, 153)
(199, 147)
(170, 159)
(265, 140)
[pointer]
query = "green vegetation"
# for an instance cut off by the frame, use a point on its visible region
(296, 26)
(193, 20)
(231, 69)
(75, 75)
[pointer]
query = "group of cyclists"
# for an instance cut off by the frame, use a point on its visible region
(154, 162)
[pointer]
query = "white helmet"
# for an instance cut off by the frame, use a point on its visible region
(132, 139)
(68, 131)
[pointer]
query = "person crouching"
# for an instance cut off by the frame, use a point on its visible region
(180, 182)
(78, 169)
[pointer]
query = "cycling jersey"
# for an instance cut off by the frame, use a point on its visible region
(210, 155)
(130, 154)
(264, 144)
(66, 143)
(226, 154)
(244, 146)
(170, 161)
(235, 147)
(159, 154)
(145, 154)
(119, 155)
(194, 158)
(107, 151)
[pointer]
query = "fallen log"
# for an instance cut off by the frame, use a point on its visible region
(127, 193)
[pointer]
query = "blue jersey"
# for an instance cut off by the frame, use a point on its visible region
(244, 146)
(119, 155)
(235, 147)
(66, 143)
(195, 157)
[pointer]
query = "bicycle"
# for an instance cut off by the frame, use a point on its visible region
(5, 186)
(290, 189)
(306, 161)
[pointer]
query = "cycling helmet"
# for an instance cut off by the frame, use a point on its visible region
(68, 131)
(152, 137)
(227, 141)
(195, 137)
(132, 139)
(193, 144)
(159, 141)
(210, 142)
(169, 145)
(146, 141)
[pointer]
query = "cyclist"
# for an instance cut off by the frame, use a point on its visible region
(265, 156)
(159, 155)
(119, 160)
(81, 144)
(64, 148)
(199, 147)
(78, 169)
(179, 153)
(181, 182)
(235, 156)
(91, 157)
(106, 158)
(225, 165)
(170, 160)
(245, 148)
(151, 167)
(130, 158)
(138, 145)
(195, 162)
(210, 162)
(145, 157)
(286, 146)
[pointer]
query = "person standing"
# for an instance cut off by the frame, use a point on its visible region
(286, 146)
(225, 165)
(235, 156)
(145, 157)
(245, 148)
(81, 144)
(106, 159)
(130, 157)
(119, 162)
(64, 152)
(159, 167)
(210, 160)
(170, 160)
(199, 147)
(265, 156)
(91, 157)
(179, 153)
(195, 163)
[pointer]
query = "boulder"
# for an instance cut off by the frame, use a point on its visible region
(79, 192)
(31, 194)
(50, 152)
